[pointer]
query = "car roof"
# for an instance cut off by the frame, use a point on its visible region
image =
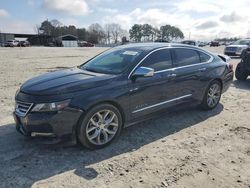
(153, 46)
(244, 39)
(188, 41)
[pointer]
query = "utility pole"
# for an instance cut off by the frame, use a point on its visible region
(1, 39)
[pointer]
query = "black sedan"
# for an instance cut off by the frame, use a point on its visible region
(189, 42)
(92, 103)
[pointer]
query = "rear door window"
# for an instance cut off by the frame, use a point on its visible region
(159, 60)
(185, 57)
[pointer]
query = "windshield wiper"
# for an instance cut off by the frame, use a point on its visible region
(91, 70)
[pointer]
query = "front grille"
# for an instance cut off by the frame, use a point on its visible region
(22, 108)
(231, 49)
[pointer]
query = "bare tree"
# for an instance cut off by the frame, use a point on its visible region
(37, 29)
(107, 30)
(56, 23)
(96, 33)
(115, 31)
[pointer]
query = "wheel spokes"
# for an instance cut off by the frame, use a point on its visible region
(113, 124)
(106, 114)
(210, 101)
(91, 129)
(106, 137)
(110, 120)
(99, 138)
(100, 117)
(93, 122)
(110, 131)
(213, 95)
(94, 135)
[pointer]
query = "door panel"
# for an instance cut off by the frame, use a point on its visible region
(188, 80)
(146, 93)
(190, 72)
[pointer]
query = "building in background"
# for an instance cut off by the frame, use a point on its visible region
(4, 37)
(67, 41)
(41, 40)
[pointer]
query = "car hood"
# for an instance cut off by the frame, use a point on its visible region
(235, 45)
(65, 81)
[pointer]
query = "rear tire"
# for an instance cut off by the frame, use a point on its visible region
(212, 96)
(240, 73)
(101, 125)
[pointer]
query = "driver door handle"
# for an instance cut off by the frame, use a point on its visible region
(202, 69)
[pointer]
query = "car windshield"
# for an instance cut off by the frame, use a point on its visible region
(242, 42)
(113, 61)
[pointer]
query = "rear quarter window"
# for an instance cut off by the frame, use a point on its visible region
(204, 57)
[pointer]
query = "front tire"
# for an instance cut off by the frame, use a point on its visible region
(240, 73)
(101, 125)
(212, 96)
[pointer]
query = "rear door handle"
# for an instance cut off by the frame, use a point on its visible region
(202, 69)
(171, 75)
(134, 89)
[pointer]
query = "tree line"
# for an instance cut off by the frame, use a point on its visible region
(110, 33)
(227, 39)
(147, 32)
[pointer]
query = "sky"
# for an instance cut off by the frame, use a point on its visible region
(199, 19)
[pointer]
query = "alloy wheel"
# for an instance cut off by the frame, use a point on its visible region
(102, 127)
(213, 95)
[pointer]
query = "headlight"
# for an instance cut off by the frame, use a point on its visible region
(239, 49)
(48, 107)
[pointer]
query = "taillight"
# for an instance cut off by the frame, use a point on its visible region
(230, 66)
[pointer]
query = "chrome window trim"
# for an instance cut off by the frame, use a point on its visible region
(161, 103)
(174, 68)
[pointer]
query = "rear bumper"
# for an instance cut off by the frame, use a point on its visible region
(227, 81)
(60, 124)
(232, 53)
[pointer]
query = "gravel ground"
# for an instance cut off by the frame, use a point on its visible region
(185, 148)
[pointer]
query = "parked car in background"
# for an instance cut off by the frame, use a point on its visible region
(237, 47)
(202, 44)
(243, 68)
(11, 43)
(190, 42)
(50, 44)
(24, 43)
(214, 43)
(127, 84)
(161, 40)
(85, 44)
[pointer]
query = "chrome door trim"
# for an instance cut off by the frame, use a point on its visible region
(174, 68)
(161, 103)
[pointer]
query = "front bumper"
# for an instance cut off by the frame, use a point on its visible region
(230, 53)
(59, 124)
(233, 53)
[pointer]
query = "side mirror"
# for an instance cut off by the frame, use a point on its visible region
(143, 72)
